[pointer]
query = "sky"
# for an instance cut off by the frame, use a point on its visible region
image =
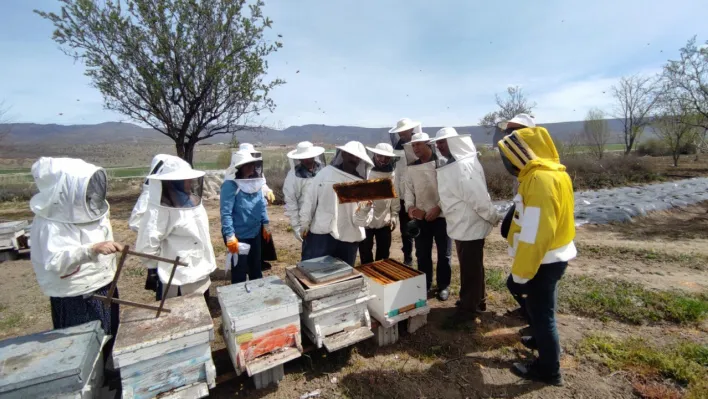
(369, 63)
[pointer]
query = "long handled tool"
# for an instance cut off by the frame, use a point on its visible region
(124, 254)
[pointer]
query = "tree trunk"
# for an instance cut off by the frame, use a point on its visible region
(185, 151)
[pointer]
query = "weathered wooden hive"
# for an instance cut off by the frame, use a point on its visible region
(261, 321)
(335, 298)
(166, 354)
(399, 294)
(65, 363)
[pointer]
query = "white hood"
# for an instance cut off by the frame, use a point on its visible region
(63, 185)
(156, 165)
(462, 147)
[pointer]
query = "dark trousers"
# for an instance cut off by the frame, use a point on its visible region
(407, 240)
(540, 304)
(472, 287)
(318, 245)
(434, 231)
(517, 291)
(248, 265)
(383, 245)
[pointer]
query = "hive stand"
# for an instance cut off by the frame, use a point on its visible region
(400, 295)
(168, 356)
(261, 320)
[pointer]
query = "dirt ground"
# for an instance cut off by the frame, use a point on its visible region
(664, 251)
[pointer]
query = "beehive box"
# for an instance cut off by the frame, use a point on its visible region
(398, 289)
(335, 313)
(166, 354)
(64, 363)
(261, 321)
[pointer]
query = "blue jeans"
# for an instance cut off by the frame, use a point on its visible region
(317, 245)
(541, 302)
(248, 265)
(435, 231)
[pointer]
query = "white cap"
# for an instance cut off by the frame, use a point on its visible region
(445, 133)
(383, 149)
(242, 157)
(403, 125)
(520, 119)
(358, 150)
(175, 168)
(246, 147)
(420, 138)
(305, 150)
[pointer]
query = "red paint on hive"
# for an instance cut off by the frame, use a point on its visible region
(279, 338)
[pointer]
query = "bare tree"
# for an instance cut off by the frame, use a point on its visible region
(675, 123)
(688, 77)
(189, 69)
(636, 98)
(515, 103)
(596, 132)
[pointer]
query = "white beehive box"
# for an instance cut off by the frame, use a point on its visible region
(64, 363)
(166, 354)
(399, 291)
(261, 321)
(335, 313)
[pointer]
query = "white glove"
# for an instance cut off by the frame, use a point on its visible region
(297, 233)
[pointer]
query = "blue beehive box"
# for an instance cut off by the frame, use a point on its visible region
(63, 363)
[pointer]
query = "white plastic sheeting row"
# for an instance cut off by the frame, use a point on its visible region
(624, 203)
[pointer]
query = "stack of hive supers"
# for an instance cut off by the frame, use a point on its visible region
(170, 353)
(335, 298)
(399, 294)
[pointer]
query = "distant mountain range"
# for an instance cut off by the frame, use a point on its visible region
(127, 133)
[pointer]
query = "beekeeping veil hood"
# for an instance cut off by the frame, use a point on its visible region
(306, 151)
(70, 190)
(236, 172)
(423, 137)
(402, 125)
(383, 150)
(358, 150)
(176, 185)
(460, 146)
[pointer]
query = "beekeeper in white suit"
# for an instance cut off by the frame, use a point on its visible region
(72, 241)
(176, 224)
(386, 211)
(306, 160)
(267, 192)
(423, 206)
(470, 216)
(400, 135)
(139, 209)
(328, 227)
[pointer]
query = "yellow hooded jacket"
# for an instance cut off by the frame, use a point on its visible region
(543, 227)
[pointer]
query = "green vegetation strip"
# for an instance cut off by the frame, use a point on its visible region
(685, 363)
(627, 302)
(694, 261)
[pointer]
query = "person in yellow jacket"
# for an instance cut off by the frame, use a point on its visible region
(540, 239)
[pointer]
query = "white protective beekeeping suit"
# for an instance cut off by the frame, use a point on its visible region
(465, 200)
(267, 192)
(422, 180)
(298, 180)
(385, 211)
(71, 215)
(405, 156)
(321, 211)
(176, 224)
(142, 202)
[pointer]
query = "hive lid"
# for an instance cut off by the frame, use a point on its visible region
(264, 296)
(325, 268)
(45, 357)
(139, 328)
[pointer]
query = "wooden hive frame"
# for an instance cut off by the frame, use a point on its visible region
(108, 299)
(387, 271)
(365, 190)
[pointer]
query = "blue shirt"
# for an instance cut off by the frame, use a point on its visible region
(242, 214)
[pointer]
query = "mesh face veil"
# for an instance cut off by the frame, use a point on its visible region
(182, 193)
(96, 194)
